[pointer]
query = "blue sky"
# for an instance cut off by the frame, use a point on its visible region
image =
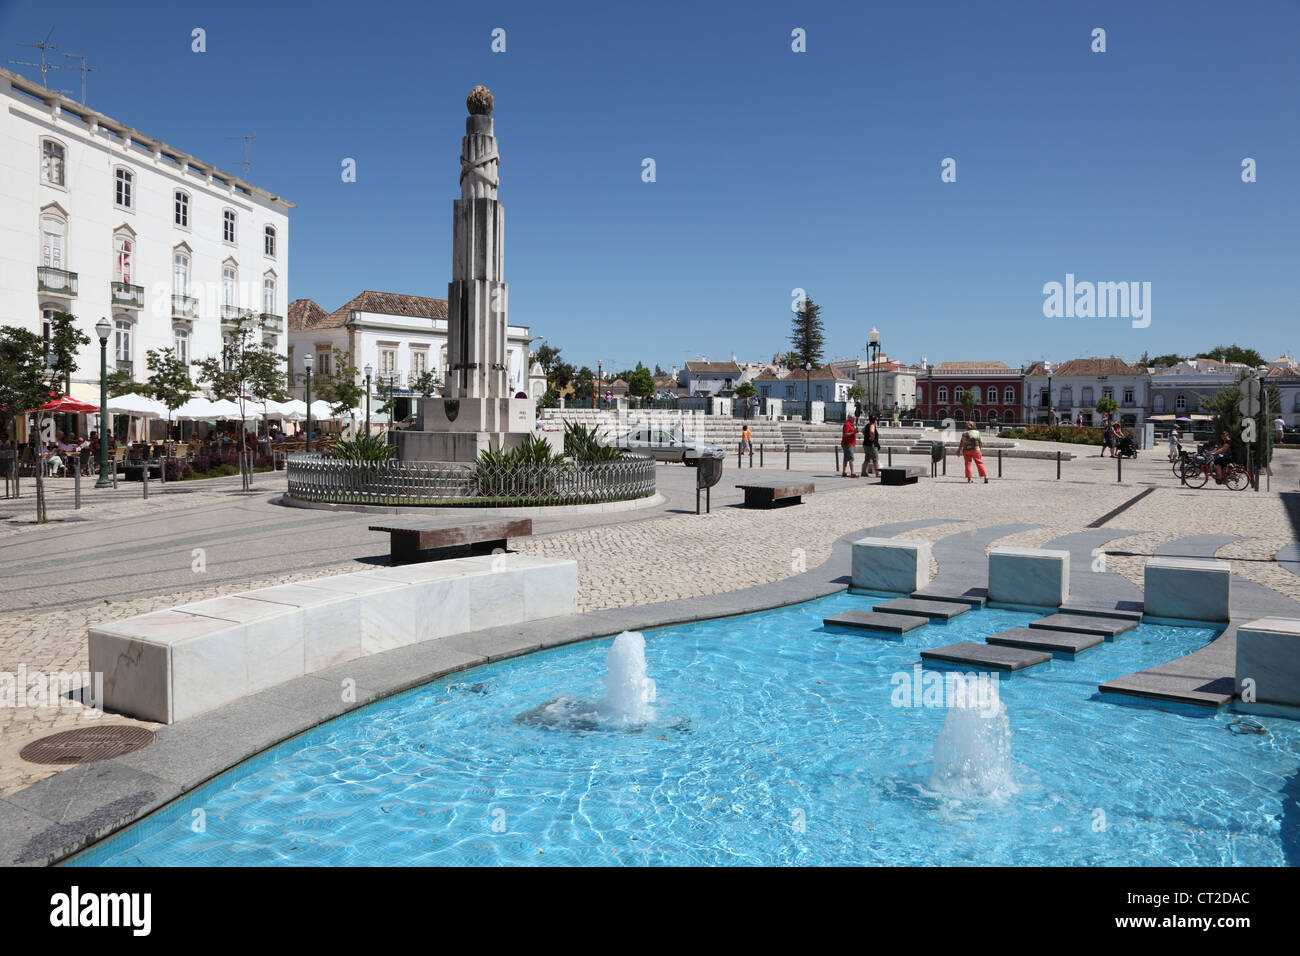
(775, 170)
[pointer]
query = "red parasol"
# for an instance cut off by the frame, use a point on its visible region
(66, 404)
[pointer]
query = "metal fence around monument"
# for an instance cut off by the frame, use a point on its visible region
(320, 477)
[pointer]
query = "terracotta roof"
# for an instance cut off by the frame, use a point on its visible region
(714, 368)
(1098, 366)
(821, 374)
(306, 314)
(767, 375)
(391, 303)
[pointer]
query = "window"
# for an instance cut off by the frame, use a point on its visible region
(122, 342)
(124, 188)
(419, 361)
(227, 226)
(52, 162)
(227, 351)
(942, 394)
(1180, 403)
(975, 390)
(268, 294)
(268, 241)
(47, 327)
(1008, 396)
(1087, 396)
(181, 273)
(1067, 397)
(323, 361)
(123, 253)
(387, 361)
(1157, 403)
(1128, 396)
(54, 233)
(1042, 398)
(1297, 401)
(182, 209)
(182, 340)
(229, 279)
(1108, 392)
(957, 393)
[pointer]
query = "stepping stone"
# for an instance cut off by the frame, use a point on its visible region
(934, 610)
(1060, 642)
(1107, 627)
(871, 621)
(987, 655)
(971, 597)
(1116, 612)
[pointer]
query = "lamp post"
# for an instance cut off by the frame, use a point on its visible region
(370, 370)
(102, 328)
(807, 391)
(1047, 367)
(307, 364)
(873, 345)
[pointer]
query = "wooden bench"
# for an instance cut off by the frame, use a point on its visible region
(901, 474)
(417, 540)
(770, 494)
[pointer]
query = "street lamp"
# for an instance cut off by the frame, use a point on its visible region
(370, 370)
(1047, 367)
(102, 328)
(873, 381)
(807, 390)
(307, 364)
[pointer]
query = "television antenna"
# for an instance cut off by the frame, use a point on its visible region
(247, 141)
(44, 66)
(84, 70)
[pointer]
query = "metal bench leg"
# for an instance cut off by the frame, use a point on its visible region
(405, 548)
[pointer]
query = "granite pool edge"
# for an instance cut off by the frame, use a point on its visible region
(92, 801)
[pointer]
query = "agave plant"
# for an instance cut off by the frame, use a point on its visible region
(363, 448)
(582, 443)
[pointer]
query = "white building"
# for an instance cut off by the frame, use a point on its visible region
(400, 337)
(892, 382)
(98, 219)
(1078, 385)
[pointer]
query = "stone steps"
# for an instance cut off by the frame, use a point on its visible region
(987, 655)
(1105, 627)
(873, 621)
(934, 610)
(1060, 642)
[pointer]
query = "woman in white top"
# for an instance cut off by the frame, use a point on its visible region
(1175, 444)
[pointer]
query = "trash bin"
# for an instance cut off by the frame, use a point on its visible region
(708, 471)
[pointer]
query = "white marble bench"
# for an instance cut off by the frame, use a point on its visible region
(170, 665)
(1191, 589)
(1033, 577)
(1268, 661)
(890, 564)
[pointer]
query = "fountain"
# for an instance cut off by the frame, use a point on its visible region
(628, 694)
(972, 754)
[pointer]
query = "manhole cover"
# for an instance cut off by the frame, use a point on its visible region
(86, 745)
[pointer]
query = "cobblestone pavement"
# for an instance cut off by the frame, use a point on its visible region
(634, 558)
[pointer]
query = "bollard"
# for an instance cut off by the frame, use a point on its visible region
(760, 454)
(115, 474)
(751, 454)
(144, 478)
(1119, 467)
(162, 472)
(787, 457)
(999, 462)
(740, 451)
(945, 459)
(76, 487)
(1058, 466)
(889, 456)
(837, 458)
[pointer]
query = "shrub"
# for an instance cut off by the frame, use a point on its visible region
(582, 443)
(363, 448)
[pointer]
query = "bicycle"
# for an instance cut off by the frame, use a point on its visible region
(1235, 476)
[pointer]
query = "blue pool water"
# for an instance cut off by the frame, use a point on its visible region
(774, 741)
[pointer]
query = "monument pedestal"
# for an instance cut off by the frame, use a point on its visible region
(453, 446)
(457, 429)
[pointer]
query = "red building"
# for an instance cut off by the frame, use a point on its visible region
(997, 387)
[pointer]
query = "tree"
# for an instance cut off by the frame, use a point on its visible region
(968, 402)
(1107, 407)
(339, 387)
(807, 336)
(547, 356)
(659, 372)
(560, 376)
(856, 392)
(1167, 361)
(121, 382)
(169, 380)
(245, 368)
(1235, 353)
(1224, 405)
(745, 391)
(641, 382)
(584, 383)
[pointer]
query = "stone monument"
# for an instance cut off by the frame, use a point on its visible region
(477, 411)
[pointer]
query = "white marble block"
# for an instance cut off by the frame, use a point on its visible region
(170, 665)
(891, 564)
(1030, 576)
(1188, 588)
(1268, 661)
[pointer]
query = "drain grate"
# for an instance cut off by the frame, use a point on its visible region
(86, 745)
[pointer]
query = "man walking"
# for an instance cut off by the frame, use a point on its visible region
(848, 440)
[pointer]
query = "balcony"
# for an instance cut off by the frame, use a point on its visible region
(56, 281)
(128, 296)
(232, 314)
(184, 307)
(271, 322)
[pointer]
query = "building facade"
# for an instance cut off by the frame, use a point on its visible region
(400, 337)
(894, 383)
(710, 378)
(998, 391)
(100, 220)
(826, 384)
(1079, 384)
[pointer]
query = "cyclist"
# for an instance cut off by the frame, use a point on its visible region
(1222, 456)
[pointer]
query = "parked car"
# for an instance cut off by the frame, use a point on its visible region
(667, 444)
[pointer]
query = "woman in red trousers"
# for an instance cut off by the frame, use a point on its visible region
(970, 450)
